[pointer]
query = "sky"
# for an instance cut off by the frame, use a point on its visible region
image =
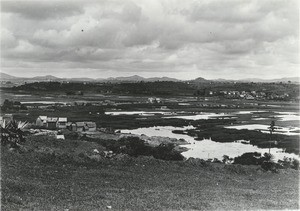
(232, 39)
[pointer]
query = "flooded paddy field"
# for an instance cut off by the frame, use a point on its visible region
(219, 126)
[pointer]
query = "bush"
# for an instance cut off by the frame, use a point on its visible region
(295, 164)
(132, 146)
(135, 147)
(167, 152)
(269, 166)
(250, 158)
(72, 135)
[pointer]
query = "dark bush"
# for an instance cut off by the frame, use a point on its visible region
(250, 158)
(72, 135)
(295, 164)
(269, 166)
(167, 152)
(133, 146)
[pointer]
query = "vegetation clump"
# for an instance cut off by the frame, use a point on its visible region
(12, 133)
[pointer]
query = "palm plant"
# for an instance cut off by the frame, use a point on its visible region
(12, 133)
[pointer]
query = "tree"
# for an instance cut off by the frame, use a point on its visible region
(271, 128)
(12, 133)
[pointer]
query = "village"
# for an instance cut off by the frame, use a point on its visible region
(53, 125)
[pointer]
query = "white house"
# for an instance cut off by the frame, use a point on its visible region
(41, 121)
(62, 122)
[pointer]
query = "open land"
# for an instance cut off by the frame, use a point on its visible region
(65, 174)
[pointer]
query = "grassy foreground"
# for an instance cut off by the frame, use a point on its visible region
(34, 181)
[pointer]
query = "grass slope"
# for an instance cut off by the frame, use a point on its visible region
(32, 181)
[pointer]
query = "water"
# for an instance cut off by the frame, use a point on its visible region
(202, 115)
(288, 116)
(207, 148)
(42, 102)
(265, 129)
(142, 113)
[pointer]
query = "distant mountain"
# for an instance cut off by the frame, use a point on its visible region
(162, 79)
(130, 78)
(284, 80)
(6, 77)
(136, 78)
(80, 79)
(200, 80)
(45, 78)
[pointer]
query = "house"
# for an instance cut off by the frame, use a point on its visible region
(85, 126)
(62, 123)
(60, 137)
(41, 121)
(52, 122)
(80, 126)
(71, 126)
(249, 97)
(91, 126)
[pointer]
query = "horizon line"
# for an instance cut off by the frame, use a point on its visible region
(248, 78)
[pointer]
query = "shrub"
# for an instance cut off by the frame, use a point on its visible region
(12, 133)
(167, 152)
(133, 146)
(250, 158)
(72, 135)
(295, 164)
(269, 166)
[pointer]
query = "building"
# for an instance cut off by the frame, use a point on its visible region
(91, 126)
(80, 126)
(62, 123)
(41, 121)
(52, 122)
(85, 126)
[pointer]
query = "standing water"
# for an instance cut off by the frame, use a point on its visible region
(207, 148)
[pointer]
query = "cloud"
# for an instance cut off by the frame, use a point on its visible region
(233, 38)
(42, 9)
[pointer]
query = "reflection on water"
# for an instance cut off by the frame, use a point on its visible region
(207, 148)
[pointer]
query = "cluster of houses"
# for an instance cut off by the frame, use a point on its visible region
(62, 123)
(249, 95)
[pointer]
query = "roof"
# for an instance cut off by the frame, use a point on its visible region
(62, 119)
(52, 119)
(91, 124)
(8, 115)
(60, 136)
(80, 124)
(43, 118)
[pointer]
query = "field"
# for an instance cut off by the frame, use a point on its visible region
(65, 174)
(36, 180)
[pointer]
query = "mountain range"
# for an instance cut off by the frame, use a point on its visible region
(136, 78)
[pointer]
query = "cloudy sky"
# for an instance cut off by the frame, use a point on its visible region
(229, 39)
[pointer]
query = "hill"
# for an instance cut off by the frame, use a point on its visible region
(137, 78)
(67, 175)
(6, 77)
